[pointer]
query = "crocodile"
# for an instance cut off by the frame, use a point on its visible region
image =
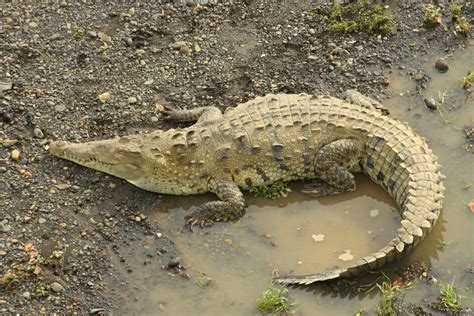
(280, 137)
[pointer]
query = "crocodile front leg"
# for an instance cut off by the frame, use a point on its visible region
(201, 114)
(331, 167)
(230, 208)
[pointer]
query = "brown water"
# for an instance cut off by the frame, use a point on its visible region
(277, 234)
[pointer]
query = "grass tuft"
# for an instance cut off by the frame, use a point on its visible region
(468, 80)
(449, 298)
(389, 293)
(275, 300)
(362, 16)
(433, 16)
(275, 190)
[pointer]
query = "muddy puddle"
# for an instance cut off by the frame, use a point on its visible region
(301, 234)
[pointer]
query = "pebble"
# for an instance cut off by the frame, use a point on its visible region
(33, 25)
(173, 263)
(3, 169)
(104, 37)
(430, 103)
(38, 133)
(182, 46)
(4, 86)
(104, 97)
(9, 142)
(56, 287)
(41, 220)
(229, 242)
(5, 228)
(26, 294)
(132, 100)
(15, 154)
(441, 65)
(60, 107)
(3, 253)
(374, 213)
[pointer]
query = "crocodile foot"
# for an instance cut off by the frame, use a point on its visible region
(196, 218)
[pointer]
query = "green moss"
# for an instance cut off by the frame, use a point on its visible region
(274, 191)
(362, 16)
(275, 300)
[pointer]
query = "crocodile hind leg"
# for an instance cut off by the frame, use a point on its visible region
(201, 114)
(331, 167)
(230, 208)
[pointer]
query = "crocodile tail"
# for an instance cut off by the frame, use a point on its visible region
(401, 162)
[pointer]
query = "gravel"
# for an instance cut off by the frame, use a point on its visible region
(86, 70)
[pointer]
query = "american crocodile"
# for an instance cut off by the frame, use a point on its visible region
(280, 137)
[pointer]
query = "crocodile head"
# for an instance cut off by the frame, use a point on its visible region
(121, 157)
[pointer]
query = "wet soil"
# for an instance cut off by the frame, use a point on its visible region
(75, 240)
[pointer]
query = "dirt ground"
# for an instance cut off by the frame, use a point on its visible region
(86, 70)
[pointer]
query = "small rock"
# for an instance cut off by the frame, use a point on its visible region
(197, 48)
(3, 302)
(317, 238)
(312, 31)
(374, 213)
(5, 86)
(346, 256)
(38, 133)
(104, 37)
(104, 97)
(3, 169)
(9, 142)
(26, 295)
(33, 25)
(3, 253)
(5, 228)
(62, 225)
(182, 46)
(300, 262)
(174, 263)
(430, 103)
(15, 154)
(471, 206)
(41, 220)
(60, 107)
(132, 100)
(229, 242)
(56, 287)
(441, 65)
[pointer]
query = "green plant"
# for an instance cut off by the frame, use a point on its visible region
(275, 300)
(468, 80)
(462, 26)
(432, 15)
(455, 11)
(449, 298)
(273, 191)
(441, 108)
(362, 16)
(389, 293)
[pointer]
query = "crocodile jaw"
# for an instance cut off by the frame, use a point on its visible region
(107, 156)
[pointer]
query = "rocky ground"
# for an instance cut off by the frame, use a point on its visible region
(84, 70)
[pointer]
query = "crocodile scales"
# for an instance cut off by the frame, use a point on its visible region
(280, 137)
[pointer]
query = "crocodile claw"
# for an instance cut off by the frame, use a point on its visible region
(193, 220)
